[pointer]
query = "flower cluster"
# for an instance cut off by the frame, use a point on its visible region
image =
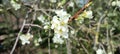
(36, 41)
(116, 3)
(85, 14)
(25, 38)
(42, 19)
(15, 5)
(60, 26)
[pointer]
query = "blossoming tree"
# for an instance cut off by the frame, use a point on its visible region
(60, 26)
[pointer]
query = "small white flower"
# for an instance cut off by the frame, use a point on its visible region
(46, 27)
(65, 35)
(109, 52)
(55, 22)
(116, 3)
(53, 1)
(71, 4)
(113, 3)
(58, 39)
(64, 19)
(89, 14)
(56, 46)
(40, 40)
(61, 13)
(100, 51)
(46, 23)
(1, 10)
(72, 32)
(15, 5)
(41, 18)
(36, 42)
(25, 38)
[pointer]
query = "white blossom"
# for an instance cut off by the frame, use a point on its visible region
(40, 40)
(36, 42)
(71, 4)
(25, 38)
(60, 25)
(58, 39)
(109, 52)
(116, 3)
(15, 5)
(100, 51)
(55, 22)
(44, 22)
(41, 18)
(72, 32)
(62, 14)
(53, 1)
(85, 14)
(46, 27)
(56, 46)
(113, 3)
(89, 14)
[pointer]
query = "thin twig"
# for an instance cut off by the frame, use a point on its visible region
(20, 32)
(46, 13)
(98, 29)
(34, 25)
(80, 11)
(84, 48)
(35, 6)
(18, 37)
(68, 46)
(52, 10)
(108, 38)
(49, 43)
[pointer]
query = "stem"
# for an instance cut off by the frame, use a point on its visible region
(18, 37)
(98, 30)
(49, 43)
(84, 48)
(23, 25)
(68, 47)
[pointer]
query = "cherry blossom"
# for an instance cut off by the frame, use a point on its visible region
(60, 26)
(15, 5)
(25, 38)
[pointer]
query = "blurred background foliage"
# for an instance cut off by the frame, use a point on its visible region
(104, 26)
